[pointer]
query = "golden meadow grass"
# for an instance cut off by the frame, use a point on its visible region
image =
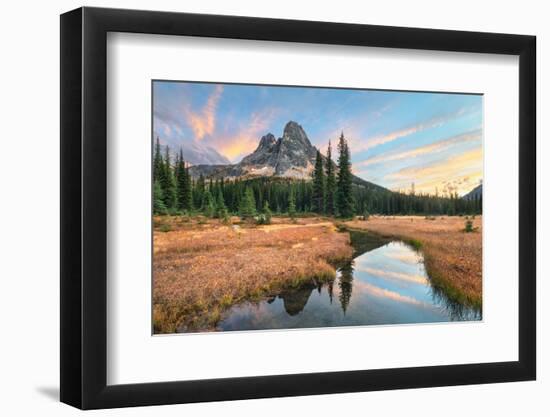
(453, 258)
(201, 267)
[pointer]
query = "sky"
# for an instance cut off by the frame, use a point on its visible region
(396, 138)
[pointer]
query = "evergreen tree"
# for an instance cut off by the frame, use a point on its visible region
(198, 191)
(161, 180)
(158, 200)
(267, 212)
(158, 166)
(208, 206)
(221, 208)
(183, 181)
(247, 207)
(344, 194)
(318, 197)
(168, 182)
(331, 183)
(187, 196)
(292, 205)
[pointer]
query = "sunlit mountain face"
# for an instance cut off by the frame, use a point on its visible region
(431, 142)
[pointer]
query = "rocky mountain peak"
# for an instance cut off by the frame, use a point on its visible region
(290, 156)
(267, 141)
(295, 132)
(264, 153)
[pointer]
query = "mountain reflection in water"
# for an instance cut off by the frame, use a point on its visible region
(385, 283)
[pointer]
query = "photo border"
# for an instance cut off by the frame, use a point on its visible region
(84, 207)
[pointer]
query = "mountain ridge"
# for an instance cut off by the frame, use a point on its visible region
(290, 156)
(474, 194)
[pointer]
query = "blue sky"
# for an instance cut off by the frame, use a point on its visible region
(395, 138)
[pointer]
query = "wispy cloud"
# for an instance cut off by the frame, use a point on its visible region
(360, 145)
(237, 144)
(378, 292)
(203, 122)
(400, 276)
(230, 119)
(456, 173)
(473, 136)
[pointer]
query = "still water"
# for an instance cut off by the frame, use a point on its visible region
(385, 283)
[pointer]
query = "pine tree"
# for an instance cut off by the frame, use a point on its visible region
(266, 213)
(168, 182)
(198, 191)
(179, 171)
(158, 199)
(159, 206)
(292, 205)
(187, 197)
(344, 194)
(208, 206)
(318, 197)
(158, 166)
(183, 185)
(221, 208)
(331, 183)
(247, 207)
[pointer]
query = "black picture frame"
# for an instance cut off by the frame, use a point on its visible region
(84, 207)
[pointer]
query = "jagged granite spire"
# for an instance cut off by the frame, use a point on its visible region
(290, 156)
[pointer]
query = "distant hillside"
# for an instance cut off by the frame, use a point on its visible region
(474, 194)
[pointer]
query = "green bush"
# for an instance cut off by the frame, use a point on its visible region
(469, 226)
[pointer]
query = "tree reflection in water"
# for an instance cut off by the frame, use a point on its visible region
(384, 285)
(345, 283)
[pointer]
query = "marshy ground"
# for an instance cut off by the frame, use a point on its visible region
(202, 267)
(453, 258)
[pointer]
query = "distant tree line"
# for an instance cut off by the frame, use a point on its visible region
(330, 192)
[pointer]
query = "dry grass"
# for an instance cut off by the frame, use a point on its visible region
(201, 267)
(453, 258)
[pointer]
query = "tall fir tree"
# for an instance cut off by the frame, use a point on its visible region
(221, 208)
(168, 182)
(158, 199)
(331, 184)
(318, 196)
(247, 206)
(158, 166)
(292, 204)
(344, 193)
(187, 198)
(183, 180)
(198, 191)
(208, 205)
(267, 212)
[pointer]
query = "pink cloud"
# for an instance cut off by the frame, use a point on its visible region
(424, 150)
(203, 123)
(237, 144)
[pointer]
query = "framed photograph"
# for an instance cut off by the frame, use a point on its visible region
(256, 208)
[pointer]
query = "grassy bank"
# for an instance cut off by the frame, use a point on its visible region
(453, 258)
(201, 268)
